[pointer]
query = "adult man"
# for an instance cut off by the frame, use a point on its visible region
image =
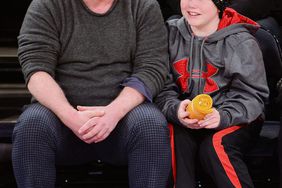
(105, 53)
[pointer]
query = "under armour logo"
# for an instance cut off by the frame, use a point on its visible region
(210, 85)
(181, 67)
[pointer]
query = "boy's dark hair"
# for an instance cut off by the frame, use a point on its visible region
(221, 5)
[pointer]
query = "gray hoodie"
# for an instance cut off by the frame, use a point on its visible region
(227, 65)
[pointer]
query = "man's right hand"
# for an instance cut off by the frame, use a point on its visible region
(77, 119)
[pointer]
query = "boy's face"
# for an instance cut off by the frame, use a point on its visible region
(199, 13)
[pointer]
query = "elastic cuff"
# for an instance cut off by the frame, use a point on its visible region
(173, 115)
(137, 84)
(224, 120)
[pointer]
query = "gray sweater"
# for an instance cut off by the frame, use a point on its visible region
(89, 54)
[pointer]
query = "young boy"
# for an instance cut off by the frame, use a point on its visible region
(212, 51)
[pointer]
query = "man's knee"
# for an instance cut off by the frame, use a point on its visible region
(147, 117)
(147, 124)
(35, 122)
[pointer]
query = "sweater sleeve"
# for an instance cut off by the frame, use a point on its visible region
(151, 56)
(248, 90)
(135, 83)
(38, 40)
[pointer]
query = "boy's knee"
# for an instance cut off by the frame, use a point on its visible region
(207, 150)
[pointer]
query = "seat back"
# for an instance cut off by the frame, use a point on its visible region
(272, 57)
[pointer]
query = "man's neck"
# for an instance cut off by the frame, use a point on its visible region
(99, 6)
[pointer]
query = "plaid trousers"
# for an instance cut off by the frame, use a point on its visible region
(140, 140)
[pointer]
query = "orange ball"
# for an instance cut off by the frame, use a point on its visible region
(200, 106)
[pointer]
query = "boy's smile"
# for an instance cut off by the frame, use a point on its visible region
(202, 15)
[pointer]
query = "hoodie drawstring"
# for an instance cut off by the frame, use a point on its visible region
(201, 63)
(190, 61)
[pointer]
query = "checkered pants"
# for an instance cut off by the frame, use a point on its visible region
(140, 140)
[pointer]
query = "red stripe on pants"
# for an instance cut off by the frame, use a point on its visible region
(223, 157)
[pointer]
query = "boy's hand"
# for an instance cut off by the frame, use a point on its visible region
(211, 121)
(182, 115)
